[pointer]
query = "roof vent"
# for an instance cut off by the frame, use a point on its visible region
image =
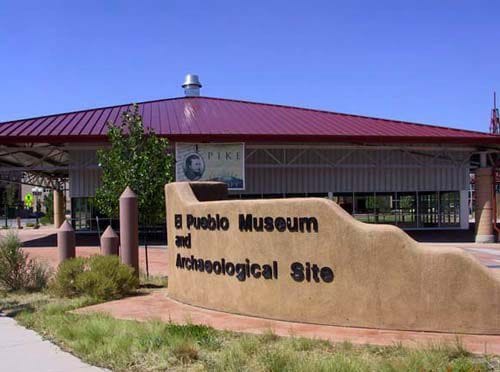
(191, 85)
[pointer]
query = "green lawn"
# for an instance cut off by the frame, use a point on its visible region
(154, 346)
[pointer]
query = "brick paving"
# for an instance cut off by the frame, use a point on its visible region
(486, 254)
(157, 305)
(157, 257)
(40, 245)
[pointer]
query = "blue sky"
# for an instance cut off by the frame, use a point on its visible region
(435, 62)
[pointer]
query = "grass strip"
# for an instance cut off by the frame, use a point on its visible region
(155, 346)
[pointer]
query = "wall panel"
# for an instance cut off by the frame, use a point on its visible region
(84, 175)
(320, 171)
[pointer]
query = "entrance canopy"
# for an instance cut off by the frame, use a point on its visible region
(36, 164)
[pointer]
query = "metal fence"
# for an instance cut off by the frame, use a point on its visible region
(148, 234)
(13, 216)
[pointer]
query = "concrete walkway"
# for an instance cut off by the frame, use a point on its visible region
(24, 351)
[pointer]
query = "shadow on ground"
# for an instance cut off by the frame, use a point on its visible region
(423, 236)
(90, 240)
(82, 240)
(443, 236)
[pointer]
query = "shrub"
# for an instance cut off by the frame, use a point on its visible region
(107, 278)
(100, 277)
(39, 275)
(30, 224)
(17, 270)
(64, 282)
(45, 220)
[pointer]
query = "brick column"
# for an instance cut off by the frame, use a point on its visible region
(129, 229)
(484, 206)
(66, 242)
(110, 242)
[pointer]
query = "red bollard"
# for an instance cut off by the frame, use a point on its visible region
(129, 229)
(66, 242)
(109, 242)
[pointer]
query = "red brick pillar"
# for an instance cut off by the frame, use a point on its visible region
(66, 242)
(110, 242)
(484, 205)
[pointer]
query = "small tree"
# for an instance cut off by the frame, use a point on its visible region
(48, 201)
(9, 198)
(11, 192)
(139, 159)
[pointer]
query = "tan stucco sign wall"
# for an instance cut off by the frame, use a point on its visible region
(308, 260)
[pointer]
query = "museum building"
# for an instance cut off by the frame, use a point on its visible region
(415, 176)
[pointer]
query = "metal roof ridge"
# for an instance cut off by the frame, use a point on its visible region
(256, 103)
(91, 109)
(344, 114)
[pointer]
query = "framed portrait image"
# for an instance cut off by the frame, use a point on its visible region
(223, 162)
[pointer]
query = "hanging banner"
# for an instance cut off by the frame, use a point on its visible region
(223, 162)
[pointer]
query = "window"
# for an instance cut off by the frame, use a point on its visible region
(344, 201)
(82, 213)
(449, 215)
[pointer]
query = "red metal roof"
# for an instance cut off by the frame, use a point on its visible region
(216, 119)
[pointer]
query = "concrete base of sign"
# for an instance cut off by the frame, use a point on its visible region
(308, 260)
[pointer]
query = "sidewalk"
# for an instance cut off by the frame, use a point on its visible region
(24, 351)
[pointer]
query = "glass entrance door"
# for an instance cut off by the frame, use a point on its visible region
(405, 209)
(449, 208)
(428, 208)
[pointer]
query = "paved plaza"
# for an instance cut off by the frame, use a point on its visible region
(157, 305)
(157, 257)
(40, 244)
(487, 254)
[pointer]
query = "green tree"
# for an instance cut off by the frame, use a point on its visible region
(48, 201)
(11, 194)
(9, 199)
(137, 158)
